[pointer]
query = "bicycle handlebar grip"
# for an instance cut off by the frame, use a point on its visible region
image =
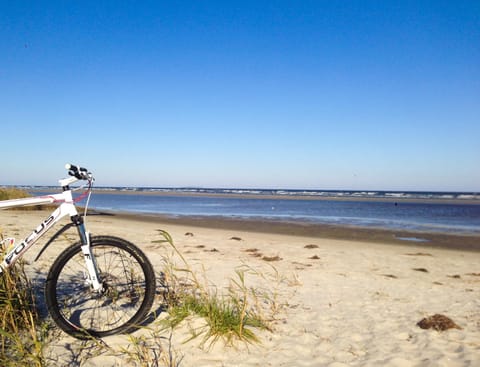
(78, 172)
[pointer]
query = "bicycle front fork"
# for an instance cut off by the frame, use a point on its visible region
(92, 277)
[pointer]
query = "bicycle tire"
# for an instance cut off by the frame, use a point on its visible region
(129, 289)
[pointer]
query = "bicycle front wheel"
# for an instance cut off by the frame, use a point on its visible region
(128, 289)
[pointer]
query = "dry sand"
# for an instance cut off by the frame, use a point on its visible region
(345, 297)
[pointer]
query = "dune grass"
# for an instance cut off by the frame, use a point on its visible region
(22, 334)
(230, 317)
(8, 193)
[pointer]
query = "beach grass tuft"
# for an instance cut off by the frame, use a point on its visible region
(230, 317)
(22, 334)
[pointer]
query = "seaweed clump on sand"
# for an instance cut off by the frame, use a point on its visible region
(437, 322)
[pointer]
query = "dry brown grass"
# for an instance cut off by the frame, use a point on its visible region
(22, 334)
(9, 193)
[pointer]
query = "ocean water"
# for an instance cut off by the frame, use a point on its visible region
(432, 214)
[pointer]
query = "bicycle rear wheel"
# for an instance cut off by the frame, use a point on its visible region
(129, 289)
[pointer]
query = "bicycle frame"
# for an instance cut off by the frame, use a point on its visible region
(66, 207)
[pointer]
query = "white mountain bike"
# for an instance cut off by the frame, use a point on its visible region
(99, 286)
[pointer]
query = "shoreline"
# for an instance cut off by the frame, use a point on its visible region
(452, 240)
(280, 197)
(466, 242)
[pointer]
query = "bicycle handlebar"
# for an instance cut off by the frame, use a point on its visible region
(78, 172)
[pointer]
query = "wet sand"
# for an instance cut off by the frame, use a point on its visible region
(307, 229)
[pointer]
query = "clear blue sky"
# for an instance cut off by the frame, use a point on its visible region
(274, 94)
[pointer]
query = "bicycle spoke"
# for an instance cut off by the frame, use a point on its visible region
(124, 289)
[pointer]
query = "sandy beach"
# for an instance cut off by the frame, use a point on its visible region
(343, 296)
